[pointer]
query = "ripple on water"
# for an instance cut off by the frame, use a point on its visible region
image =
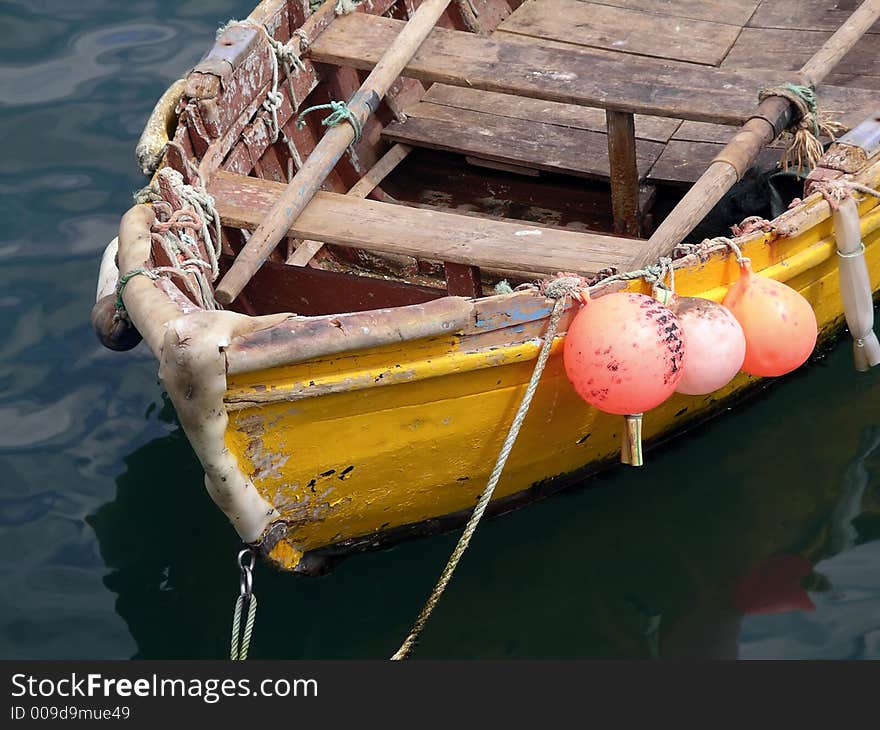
(91, 56)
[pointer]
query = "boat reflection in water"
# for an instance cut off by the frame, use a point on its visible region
(743, 539)
(829, 609)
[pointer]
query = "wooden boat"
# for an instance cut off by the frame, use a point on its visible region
(357, 384)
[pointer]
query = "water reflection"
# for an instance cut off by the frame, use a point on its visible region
(823, 603)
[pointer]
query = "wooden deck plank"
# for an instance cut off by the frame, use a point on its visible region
(577, 76)
(346, 221)
(803, 15)
(733, 12)
(682, 162)
(788, 50)
(506, 139)
(655, 129)
(624, 29)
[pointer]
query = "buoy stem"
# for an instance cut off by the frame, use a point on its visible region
(631, 448)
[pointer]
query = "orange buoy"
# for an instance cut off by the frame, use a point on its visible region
(623, 353)
(778, 323)
(715, 341)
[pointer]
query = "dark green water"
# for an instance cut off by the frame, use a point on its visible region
(757, 535)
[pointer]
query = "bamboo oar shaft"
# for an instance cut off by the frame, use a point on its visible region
(772, 116)
(840, 43)
(321, 161)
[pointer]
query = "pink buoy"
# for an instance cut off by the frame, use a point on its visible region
(716, 345)
(624, 352)
(778, 323)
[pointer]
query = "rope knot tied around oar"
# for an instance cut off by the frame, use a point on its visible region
(339, 112)
(804, 148)
(560, 289)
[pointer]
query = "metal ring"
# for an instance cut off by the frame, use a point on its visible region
(242, 554)
(246, 582)
(853, 254)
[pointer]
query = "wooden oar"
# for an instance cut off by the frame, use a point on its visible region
(771, 117)
(327, 152)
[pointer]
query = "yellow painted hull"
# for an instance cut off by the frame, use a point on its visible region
(364, 444)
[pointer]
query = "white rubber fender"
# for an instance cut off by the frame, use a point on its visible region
(108, 274)
(855, 285)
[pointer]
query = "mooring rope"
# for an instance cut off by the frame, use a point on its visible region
(240, 643)
(559, 289)
(805, 146)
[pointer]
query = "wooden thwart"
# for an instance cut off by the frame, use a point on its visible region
(530, 68)
(391, 159)
(343, 220)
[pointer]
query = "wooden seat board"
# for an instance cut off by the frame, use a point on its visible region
(532, 144)
(655, 129)
(577, 76)
(342, 220)
(803, 15)
(733, 12)
(633, 31)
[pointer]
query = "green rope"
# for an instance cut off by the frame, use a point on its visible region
(340, 112)
(121, 284)
(344, 7)
(803, 97)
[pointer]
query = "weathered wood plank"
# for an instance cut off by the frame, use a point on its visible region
(655, 129)
(463, 280)
(804, 15)
(684, 162)
(624, 173)
(306, 250)
(623, 29)
(576, 76)
(733, 12)
(518, 141)
(346, 221)
(788, 50)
